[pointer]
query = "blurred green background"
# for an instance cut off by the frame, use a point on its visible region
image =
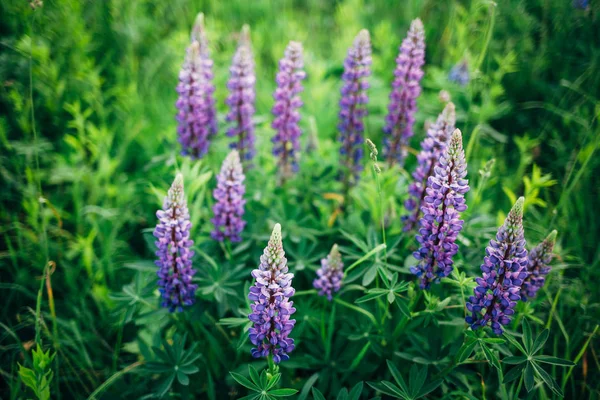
(80, 186)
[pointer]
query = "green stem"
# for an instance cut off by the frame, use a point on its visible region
(364, 258)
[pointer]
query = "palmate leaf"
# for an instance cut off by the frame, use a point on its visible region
(242, 380)
(554, 361)
(282, 392)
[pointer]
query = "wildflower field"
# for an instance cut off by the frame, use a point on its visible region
(264, 199)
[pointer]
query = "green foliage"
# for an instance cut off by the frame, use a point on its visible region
(416, 388)
(39, 378)
(265, 385)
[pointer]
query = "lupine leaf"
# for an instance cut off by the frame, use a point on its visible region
(514, 342)
(430, 387)
(369, 297)
(514, 360)
(549, 380)
(356, 391)
(283, 392)
(242, 380)
(491, 356)
(527, 337)
(466, 350)
(343, 394)
(273, 382)
(514, 373)
(554, 361)
(397, 376)
(317, 395)
(529, 379)
(254, 376)
(307, 386)
(540, 341)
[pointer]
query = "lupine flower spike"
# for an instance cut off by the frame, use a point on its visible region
(504, 271)
(286, 143)
(241, 99)
(432, 147)
(271, 307)
(353, 105)
(405, 90)
(197, 116)
(329, 276)
(538, 267)
(441, 223)
(229, 194)
(460, 73)
(174, 255)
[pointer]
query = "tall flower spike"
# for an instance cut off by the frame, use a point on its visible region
(229, 194)
(441, 223)
(405, 90)
(460, 73)
(197, 116)
(241, 99)
(432, 148)
(329, 276)
(504, 270)
(538, 267)
(286, 143)
(174, 255)
(353, 105)
(271, 307)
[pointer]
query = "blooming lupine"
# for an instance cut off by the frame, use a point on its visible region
(229, 194)
(197, 117)
(538, 267)
(271, 307)
(353, 105)
(460, 73)
(329, 276)
(174, 255)
(286, 143)
(432, 148)
(504, 271)
(405, 90)
(441, 222)
(241, 99)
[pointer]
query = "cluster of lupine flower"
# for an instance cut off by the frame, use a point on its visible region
(229, 194)
(403, 99)
(271, 307)
(174, 255)
(330, 275)
(441, 223)
(460, 73)
(538, 266)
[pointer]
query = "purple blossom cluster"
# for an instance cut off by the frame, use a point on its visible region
(229, 194)
(174, 255)
(432, 147)
(353, 104)
(538, 267)
(405, 90)
(460, 73)
(329, 276)
(441, 223)
(286, 143)
(504, 271)
(271, 307)
(197, 116)
(241, 99)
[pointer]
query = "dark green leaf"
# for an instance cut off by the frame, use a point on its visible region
(527, 336)
(554, 361)
(273, 381)
(403, 307)
(548, 380)
(397, 376)
(307, 386)
(183, 378)
(369, 297)
(490, 355)
(540, 341)
(254, 376)
(356, 391)
(430, 387)
(244, 381)
(466, 350)
(393, 389)
(529, 379)
(514, 360)
(391, 297)
(416, 379)
(165, 385)
(317, 395)
(343, 394)
(514, 342)
(514, 373)
(283, 392)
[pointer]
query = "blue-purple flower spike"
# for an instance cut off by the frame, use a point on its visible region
(197, 116)
(330, 275)
(174, 255)
(229, 194)
(405, 90)
(353, 105)
(538, 267)
(286, 143)
(271, 305)
(432, 148)
(443, 202)
(460, 73)
(241, 99)
(504, 271)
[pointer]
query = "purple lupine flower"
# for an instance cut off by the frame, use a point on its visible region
(405, 90)
(353, 104)
(581, 4)
(432, 148)
(271, 307)
(286, 143)
(460, 73)
(538, 267)
(441, 223)
(197, 116)
(329, 276)
(174, 255)
(504, 270)
(229, 194)
(242, 95)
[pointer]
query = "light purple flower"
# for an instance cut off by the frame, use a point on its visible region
(405, 90)
(286, 143)
(504, 271)
(432, 148)
(460, 73)
(174, 255)
(538, 266)
(229, 194)
(197, 116)
(271, 305)
(441, 223)
(330, 275)
(353, 105)
(241, 99)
